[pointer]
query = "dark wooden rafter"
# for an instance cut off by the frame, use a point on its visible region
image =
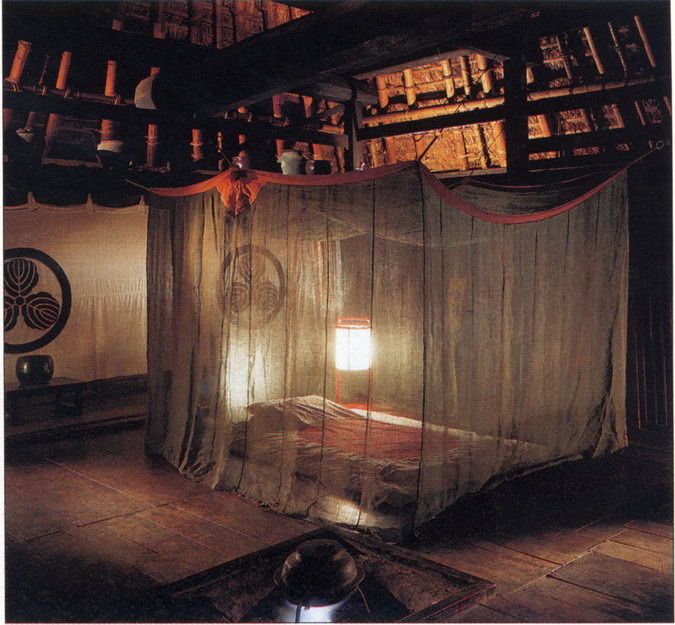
(344, 39)
(553, 100)
(101, 109)
(319, 55)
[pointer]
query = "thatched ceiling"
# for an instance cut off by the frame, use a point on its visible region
(602, 76)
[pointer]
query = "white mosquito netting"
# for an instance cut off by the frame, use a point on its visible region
(365, 349)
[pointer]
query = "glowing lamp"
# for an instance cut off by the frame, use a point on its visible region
(353, 347)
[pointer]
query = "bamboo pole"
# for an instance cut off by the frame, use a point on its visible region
(466, 73)
(564, 58)
(159, 27)
(594, 50)
(19, 62)
(277, 112)
(486, 74)
(449, 83)
(307, 103)
(110, 90)
(409, 86)
(645, 41)
(197, 143)
(494, 101)
(53, 119)
(500, 141)
(460, 143)
(152, 138)
(374, 155)
(382, 91)
(617, 48)
(15, 73)
(480, 143)
(390, 147)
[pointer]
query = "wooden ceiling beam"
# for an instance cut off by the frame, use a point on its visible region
(97, 109)
(337, 89)
(598, 138)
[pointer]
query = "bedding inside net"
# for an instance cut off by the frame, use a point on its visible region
(354, 453)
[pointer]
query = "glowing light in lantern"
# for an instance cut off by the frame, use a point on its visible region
(353, 345)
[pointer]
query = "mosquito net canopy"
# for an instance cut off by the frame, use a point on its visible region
(365, 349)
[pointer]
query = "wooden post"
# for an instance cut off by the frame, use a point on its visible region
(15, 73)
(353, 120)
(515, 123)
(152, 138)
(53, 119)
(107, 126)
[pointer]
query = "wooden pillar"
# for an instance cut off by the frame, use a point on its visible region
(61, 82)
(353, 120)
(15, 73)
(107, 126)
(152, 138)
(515, 123)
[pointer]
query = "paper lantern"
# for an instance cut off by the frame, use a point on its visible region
(353, 345)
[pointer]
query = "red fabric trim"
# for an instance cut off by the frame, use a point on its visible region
(239, 189)
(473, 211)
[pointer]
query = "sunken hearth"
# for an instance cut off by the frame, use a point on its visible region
(384, 584)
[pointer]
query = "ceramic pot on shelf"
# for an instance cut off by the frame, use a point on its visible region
(35, 369)
(292, 163)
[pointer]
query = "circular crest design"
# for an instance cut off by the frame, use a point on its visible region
(254, 282)
(33, 308)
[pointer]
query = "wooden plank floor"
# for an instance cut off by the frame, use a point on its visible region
(92, 525)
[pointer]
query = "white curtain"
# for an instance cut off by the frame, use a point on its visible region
(102, 252)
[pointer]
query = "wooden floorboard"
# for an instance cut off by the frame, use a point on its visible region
(619, 578)
(552, 600)
(70, 493)
(643, 540)
(147, 479)
(652, 527)
(235, 513)
(505, 568)
(226, 541)
(479, 614)
(93, 525)
(26, 517)
(650, 559)
(172, 556)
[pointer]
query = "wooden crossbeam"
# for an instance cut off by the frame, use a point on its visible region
(27, 101)
(599, 138)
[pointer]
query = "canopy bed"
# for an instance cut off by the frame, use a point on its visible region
(365, 349)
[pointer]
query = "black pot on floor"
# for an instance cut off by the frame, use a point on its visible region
(37, 369)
